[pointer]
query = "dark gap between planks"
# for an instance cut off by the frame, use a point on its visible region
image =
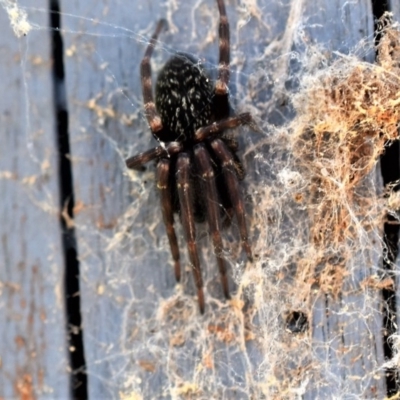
(390, 169)
(79, 390)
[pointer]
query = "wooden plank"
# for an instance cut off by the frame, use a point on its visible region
(325, 283)
(394, 7)
(143, 334)
(33, 350)
(347, 323)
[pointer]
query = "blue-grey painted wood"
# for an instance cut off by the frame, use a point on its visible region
(33, 349)
(347, 329)
(394, 7)
(144, 337)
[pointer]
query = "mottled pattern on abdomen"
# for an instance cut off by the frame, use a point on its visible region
(184, 96)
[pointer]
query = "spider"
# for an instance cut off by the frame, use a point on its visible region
(198, 171)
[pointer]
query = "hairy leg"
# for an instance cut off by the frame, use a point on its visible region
(221, 86)
(188, 223)
(203, 161)
(153, 118)
(163, 171)
(227, 163)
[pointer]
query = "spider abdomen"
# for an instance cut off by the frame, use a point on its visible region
(184, 96)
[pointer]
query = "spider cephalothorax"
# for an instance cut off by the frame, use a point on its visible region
(198, 171)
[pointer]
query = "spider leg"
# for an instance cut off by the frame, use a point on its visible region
(153, 118)
(228, 123)
(166, 150)
(200, 135)
(188, 223)
(221, 86)
(203, 161)
(227, 162)
(163, 168)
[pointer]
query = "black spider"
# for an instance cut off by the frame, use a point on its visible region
(198, 171)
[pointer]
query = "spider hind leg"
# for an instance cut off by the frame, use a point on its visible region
(153, 117)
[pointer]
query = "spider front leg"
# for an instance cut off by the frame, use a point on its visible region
(228, 123)
(166, 150)
(227, 163)
(203, 161)
(163, 170)
(188, 223)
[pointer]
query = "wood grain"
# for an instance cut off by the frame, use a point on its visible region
(33, 351)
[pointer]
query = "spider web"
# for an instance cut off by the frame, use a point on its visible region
(305, 311)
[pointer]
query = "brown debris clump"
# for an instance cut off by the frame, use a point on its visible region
(348, 114)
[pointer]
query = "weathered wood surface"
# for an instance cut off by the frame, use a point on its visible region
(394, 6)
(347, 328)
(143, 335)
(33, 353)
